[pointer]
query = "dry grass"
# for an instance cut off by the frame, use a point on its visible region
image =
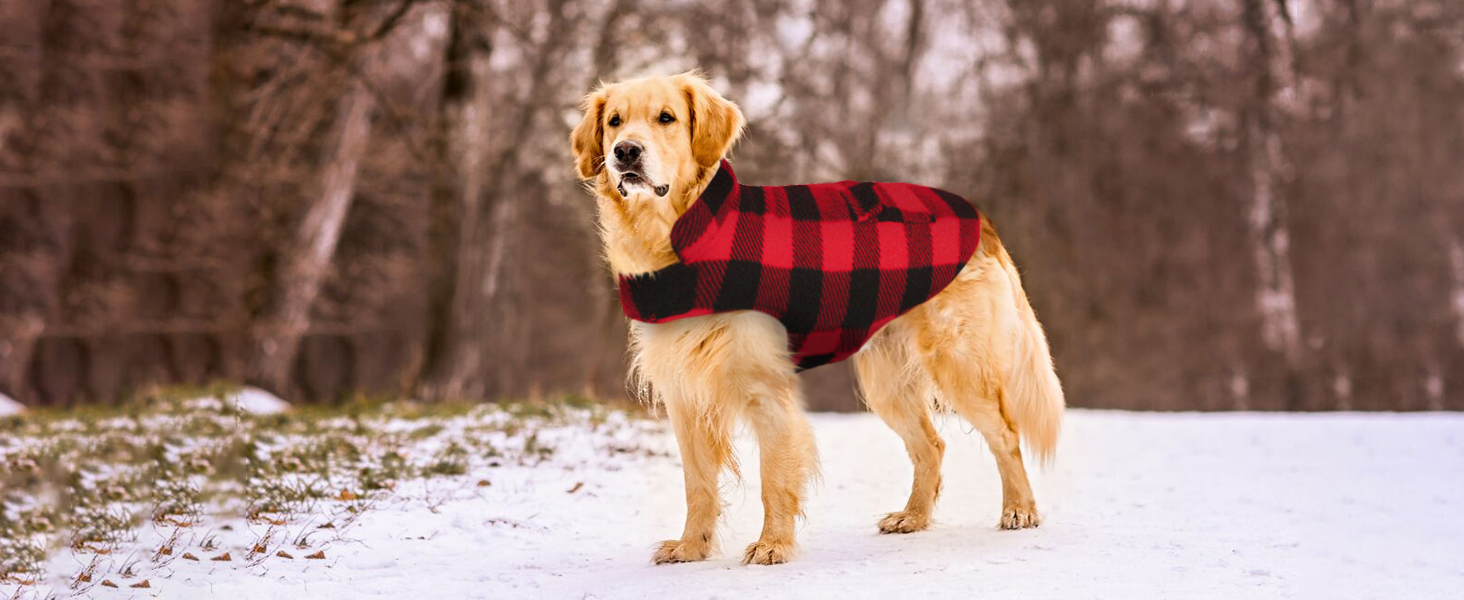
(113, 494)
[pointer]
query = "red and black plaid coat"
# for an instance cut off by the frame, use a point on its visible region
(834, 262)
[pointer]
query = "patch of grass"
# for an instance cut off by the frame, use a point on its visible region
(536, 449)
(179, 459)
(101, 527)
(452, 460)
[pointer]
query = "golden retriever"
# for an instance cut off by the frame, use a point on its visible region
(975, 348)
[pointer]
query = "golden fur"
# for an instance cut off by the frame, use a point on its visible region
(976, 348)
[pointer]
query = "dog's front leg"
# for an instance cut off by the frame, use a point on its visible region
(788, 458)
(705, 442)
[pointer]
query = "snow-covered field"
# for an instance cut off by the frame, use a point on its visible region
(1137, 506)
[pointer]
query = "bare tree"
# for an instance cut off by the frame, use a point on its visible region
(309, 257)
(454, 346)
(481, 330)
(1267, 173)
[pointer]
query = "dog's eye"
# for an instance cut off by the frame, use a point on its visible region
(615, 121)
(666, 118)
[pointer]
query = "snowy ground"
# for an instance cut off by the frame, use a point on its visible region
(1138, 505)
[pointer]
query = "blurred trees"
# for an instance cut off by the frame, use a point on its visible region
(1216, 204)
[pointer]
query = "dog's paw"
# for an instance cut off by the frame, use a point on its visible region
(766, 553)
(677, 551)
(1020, 516)
(904, 522)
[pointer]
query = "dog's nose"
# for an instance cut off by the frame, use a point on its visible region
(627, 151)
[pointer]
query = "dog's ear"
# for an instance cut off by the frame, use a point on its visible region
(716, 122)
(587, 138)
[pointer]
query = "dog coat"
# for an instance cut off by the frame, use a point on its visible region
(834, 262)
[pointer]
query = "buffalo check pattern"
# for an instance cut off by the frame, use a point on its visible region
(834, 262)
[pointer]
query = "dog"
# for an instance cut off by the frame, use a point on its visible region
(649, 149)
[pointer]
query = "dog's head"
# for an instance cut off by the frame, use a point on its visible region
(648, 137)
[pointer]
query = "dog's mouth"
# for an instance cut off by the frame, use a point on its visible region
(634, 179)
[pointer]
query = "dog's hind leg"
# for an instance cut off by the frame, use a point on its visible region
(787, 458)
(976, 394)
(893, 387)
(966, 339)
(1018, 506)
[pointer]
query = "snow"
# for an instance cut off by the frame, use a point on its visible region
(8, 406)
(1138, 505)
(256, 401)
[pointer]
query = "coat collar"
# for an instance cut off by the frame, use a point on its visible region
(723, 184)
(706, 212)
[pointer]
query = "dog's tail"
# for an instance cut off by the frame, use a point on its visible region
(1033, 394)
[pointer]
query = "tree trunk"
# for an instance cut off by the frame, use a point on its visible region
(1276, 294)
(607, 48)
(505, 338)
(1267, 170)
(17, 343)
(309, 256)
(475, 326)
(1456, 263)
(455, 344)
